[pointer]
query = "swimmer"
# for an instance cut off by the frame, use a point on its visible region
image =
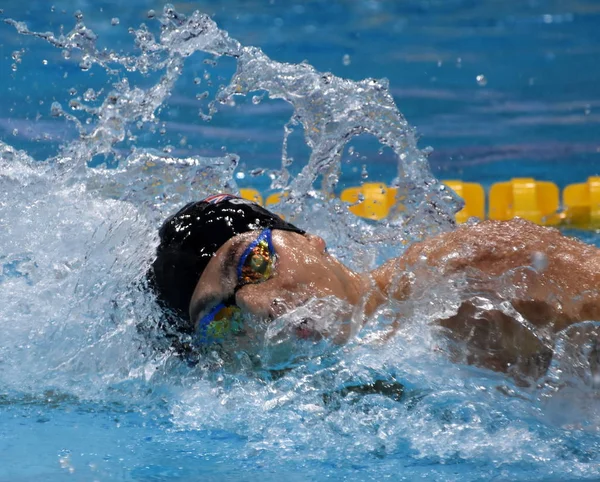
(520, 284)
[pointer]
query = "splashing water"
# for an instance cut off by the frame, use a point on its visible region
(77, 236)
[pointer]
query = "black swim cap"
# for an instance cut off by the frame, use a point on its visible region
(192, 236)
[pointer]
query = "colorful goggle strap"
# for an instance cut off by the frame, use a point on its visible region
(204, 323)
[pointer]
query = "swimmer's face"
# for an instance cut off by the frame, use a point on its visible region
(302, 270)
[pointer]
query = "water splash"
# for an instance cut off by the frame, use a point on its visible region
(76, 242)
(331, 110)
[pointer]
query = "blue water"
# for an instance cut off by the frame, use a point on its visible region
(83, 397)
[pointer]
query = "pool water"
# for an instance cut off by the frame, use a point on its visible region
(100, 141)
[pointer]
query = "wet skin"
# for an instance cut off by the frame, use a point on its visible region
(303, 271)
(551, 281)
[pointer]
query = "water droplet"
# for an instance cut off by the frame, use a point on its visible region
(346, 60)
(89, 95)
(351, 150)
(66, 54)
(197, 80)
(364, 173)
(162, 131)
(114, 21)
(72, 91)
(55, 109)
(85, 64)
(539, 261)
(151, 14)
(481, 80)
(78, 15)
(14, 67)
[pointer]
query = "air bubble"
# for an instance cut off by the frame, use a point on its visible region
(364, 173)
(346, 60)
(72, 91)
(481, 80)
(45, 62)
(78, 15)
(15, 132)
(256, 99)
(197, 80)
(151, 14)
(115, 21)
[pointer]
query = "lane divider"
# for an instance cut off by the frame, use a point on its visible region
(537, 201)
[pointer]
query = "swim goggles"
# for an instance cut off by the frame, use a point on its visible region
(255, 266)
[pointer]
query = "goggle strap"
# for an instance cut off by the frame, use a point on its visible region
(208, 318)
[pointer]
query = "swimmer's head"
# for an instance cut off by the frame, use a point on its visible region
(192, 236)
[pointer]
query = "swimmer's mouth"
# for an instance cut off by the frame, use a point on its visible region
(306, 330)
(313, 319)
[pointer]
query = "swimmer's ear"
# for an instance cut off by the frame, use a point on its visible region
(317, 241)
